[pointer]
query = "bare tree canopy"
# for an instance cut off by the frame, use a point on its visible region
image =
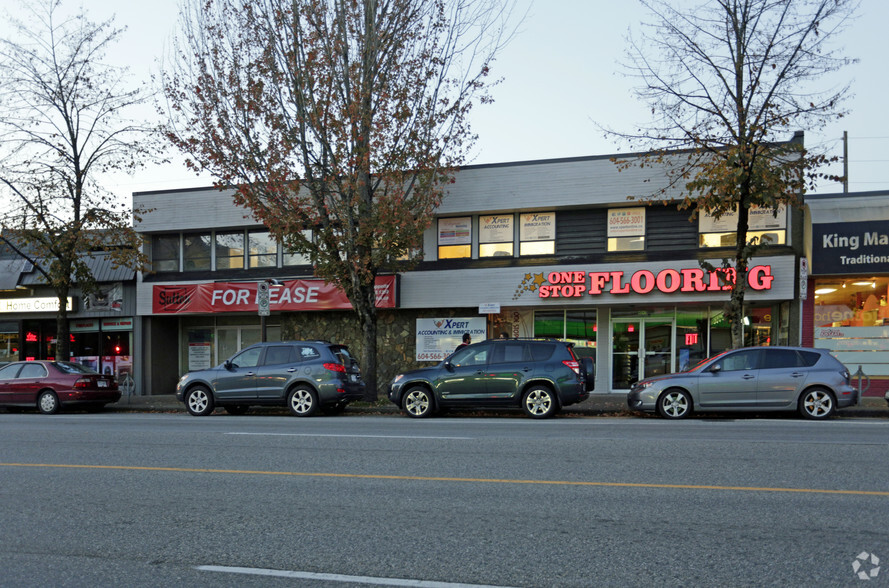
(728, 82)
(62, 125)
(339, 122)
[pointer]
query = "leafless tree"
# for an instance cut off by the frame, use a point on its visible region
(728, 81)
(62, 126)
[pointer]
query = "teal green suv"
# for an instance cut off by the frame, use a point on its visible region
(540, 376)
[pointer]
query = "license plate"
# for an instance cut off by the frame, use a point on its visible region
(102, 383)
(354, 377)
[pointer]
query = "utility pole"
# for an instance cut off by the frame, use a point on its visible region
(845, 162)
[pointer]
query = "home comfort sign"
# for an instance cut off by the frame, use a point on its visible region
(10, 305)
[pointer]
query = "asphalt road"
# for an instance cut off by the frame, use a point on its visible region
(121, 499)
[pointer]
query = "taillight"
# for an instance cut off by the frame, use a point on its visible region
(83, 383)
(335, 367)
(574, 365)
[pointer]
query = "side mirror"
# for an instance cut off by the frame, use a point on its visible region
(715, 368)
(228, 364)
(448, 365)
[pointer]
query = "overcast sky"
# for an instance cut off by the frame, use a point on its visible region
(560, 74)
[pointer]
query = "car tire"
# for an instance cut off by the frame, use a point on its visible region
(48, 402)
(199, 401)
(539, 402)
(674, 404)
(237, 409)
(418, 402)
(302, 401)
(817, 404)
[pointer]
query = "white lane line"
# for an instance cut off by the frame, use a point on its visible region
(341, 578)
(354, 436)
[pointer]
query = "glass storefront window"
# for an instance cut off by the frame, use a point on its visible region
(852, 320)
(691, 338)
(852, 302)
(549, 323)
(9, 341)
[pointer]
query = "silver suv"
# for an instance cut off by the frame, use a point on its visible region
(810, 381)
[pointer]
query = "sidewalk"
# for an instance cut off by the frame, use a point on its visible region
(596, 405)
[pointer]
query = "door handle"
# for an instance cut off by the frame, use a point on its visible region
(748, 376)
(291, 370)
(251, 373)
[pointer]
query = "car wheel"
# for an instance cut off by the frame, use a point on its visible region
(539, 402)
(418, 402)
(674, 404)
(48, 402)
(237, 408)
(199, 401)
(817, 404)
(302, 401)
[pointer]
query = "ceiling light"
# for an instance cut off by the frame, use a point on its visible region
(825, 290)
(868, 283)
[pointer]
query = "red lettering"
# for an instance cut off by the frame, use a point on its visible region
(636, 282)
(674, 277)
(616, 286)
(760, 277)
(597, 282)
(578, 278)
(543, 292)
(693, 280)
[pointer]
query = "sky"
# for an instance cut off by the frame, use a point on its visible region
(561, 76)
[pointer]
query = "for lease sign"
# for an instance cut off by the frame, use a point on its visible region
(290, 295)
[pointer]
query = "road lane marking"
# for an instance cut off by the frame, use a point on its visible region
(355, 436)
(448, 479)
(341, 578)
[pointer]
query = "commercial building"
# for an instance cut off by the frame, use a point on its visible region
(846, 307)
(103, 325)
(536, 248)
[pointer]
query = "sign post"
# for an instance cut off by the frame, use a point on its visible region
(262, 304)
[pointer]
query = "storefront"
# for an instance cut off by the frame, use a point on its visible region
(634, 320)
(846, 309)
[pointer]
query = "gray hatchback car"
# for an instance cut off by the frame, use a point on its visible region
(807, 380)
(305, 376)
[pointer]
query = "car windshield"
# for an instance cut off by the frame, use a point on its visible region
(72, 368)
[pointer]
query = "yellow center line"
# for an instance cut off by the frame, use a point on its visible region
(448, 479)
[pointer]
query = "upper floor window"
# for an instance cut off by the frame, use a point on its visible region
(165, 253)
(290, 258)
(496, 235)
(263, 249)
(455, 237)
(230, 250)
(764, 224)
(626, 229)
(537, 233)
(196, 251)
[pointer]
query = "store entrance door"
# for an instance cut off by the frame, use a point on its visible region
(641, 348)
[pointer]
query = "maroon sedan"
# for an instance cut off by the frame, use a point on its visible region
(50, 385)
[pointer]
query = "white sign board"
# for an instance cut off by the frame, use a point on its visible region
(495, 228)
(455, 231)
(538, 226)
(32, 305)
(438, 337)
(626, 222)
(758, 219)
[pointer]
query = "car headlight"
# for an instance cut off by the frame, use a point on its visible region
(397, 378)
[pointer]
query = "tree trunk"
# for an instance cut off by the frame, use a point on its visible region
(367, 318)
(739, 288)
